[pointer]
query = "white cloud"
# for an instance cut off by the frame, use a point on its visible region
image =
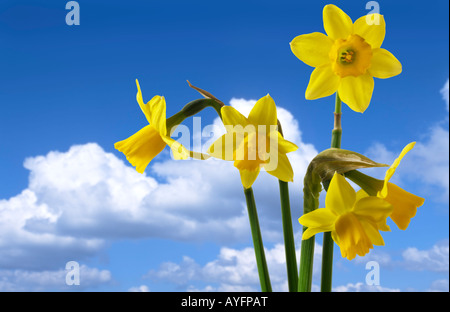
(440, 285)
(79, 201)
(428, 162)
(141, 288)
(434, 259)
(361, 287)
(232, 270)
(54, 280)
(444, 92)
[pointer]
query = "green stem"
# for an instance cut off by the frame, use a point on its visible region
(370, 185)
(306, 264)
(261, 263)
(289, 244)
(190, 109)
(311, 193)
(328, 243)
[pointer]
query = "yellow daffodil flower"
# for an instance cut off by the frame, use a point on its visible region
(347, 58)
(351, 220)
(247, 140)
(404, 203)
(144, 145)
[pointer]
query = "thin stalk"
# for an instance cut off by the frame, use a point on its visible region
(261, 263)
(289, 244)
(328, 243)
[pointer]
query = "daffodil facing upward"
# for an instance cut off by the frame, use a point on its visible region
(144, 145)
(404, 204)
(352, 220)
(347, 58)
(254, 143)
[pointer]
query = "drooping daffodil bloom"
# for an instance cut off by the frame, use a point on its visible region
(347, 58)
(144, 145)
(404, 204)
(352, 221)
(254, 143)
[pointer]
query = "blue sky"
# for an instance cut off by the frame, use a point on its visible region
(67, 94)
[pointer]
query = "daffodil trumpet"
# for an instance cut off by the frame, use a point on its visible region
(404, 203)
(352, 221)
(144, 145)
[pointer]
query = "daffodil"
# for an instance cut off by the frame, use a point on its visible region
(347, 58)
(254, 143)
(352, 221)
(144, 145)
(404, 204)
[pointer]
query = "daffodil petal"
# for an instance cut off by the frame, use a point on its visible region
(178, 150)
(223, 147)
(309, 232)
(323, 82)
(390, 172)
(340, 196)
(404, 205)
(372, 28)
(141, 147)
(248, 177)
(312, 49)
(372, 232)
(321, 218)
(373, 208)
(384, 64)
(283, 167)
(336, 22)
(264, 112)
(158, 114)
(356, 92)
(233, 117)
(144, 107)
(285, 146)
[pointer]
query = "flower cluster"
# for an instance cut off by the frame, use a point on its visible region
(346, 59)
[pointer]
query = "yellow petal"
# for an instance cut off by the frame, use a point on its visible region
(372, 232)
(248, 177)
(312, 49)
(352, 238)
(232, 117)
(390, 172)
(323, 82)
(264, 112)
(372, 28)
(384, 64)
(223, 147)
(336, 22)
(356, 92)
(321, 218)
(285, 146)
(178, 150)
(404, 203)
(361, 194)
(309, 232)
(158, 113)
(141, 147)
(283, 167)
(340, 196)
(372, 208)
(144, 107)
